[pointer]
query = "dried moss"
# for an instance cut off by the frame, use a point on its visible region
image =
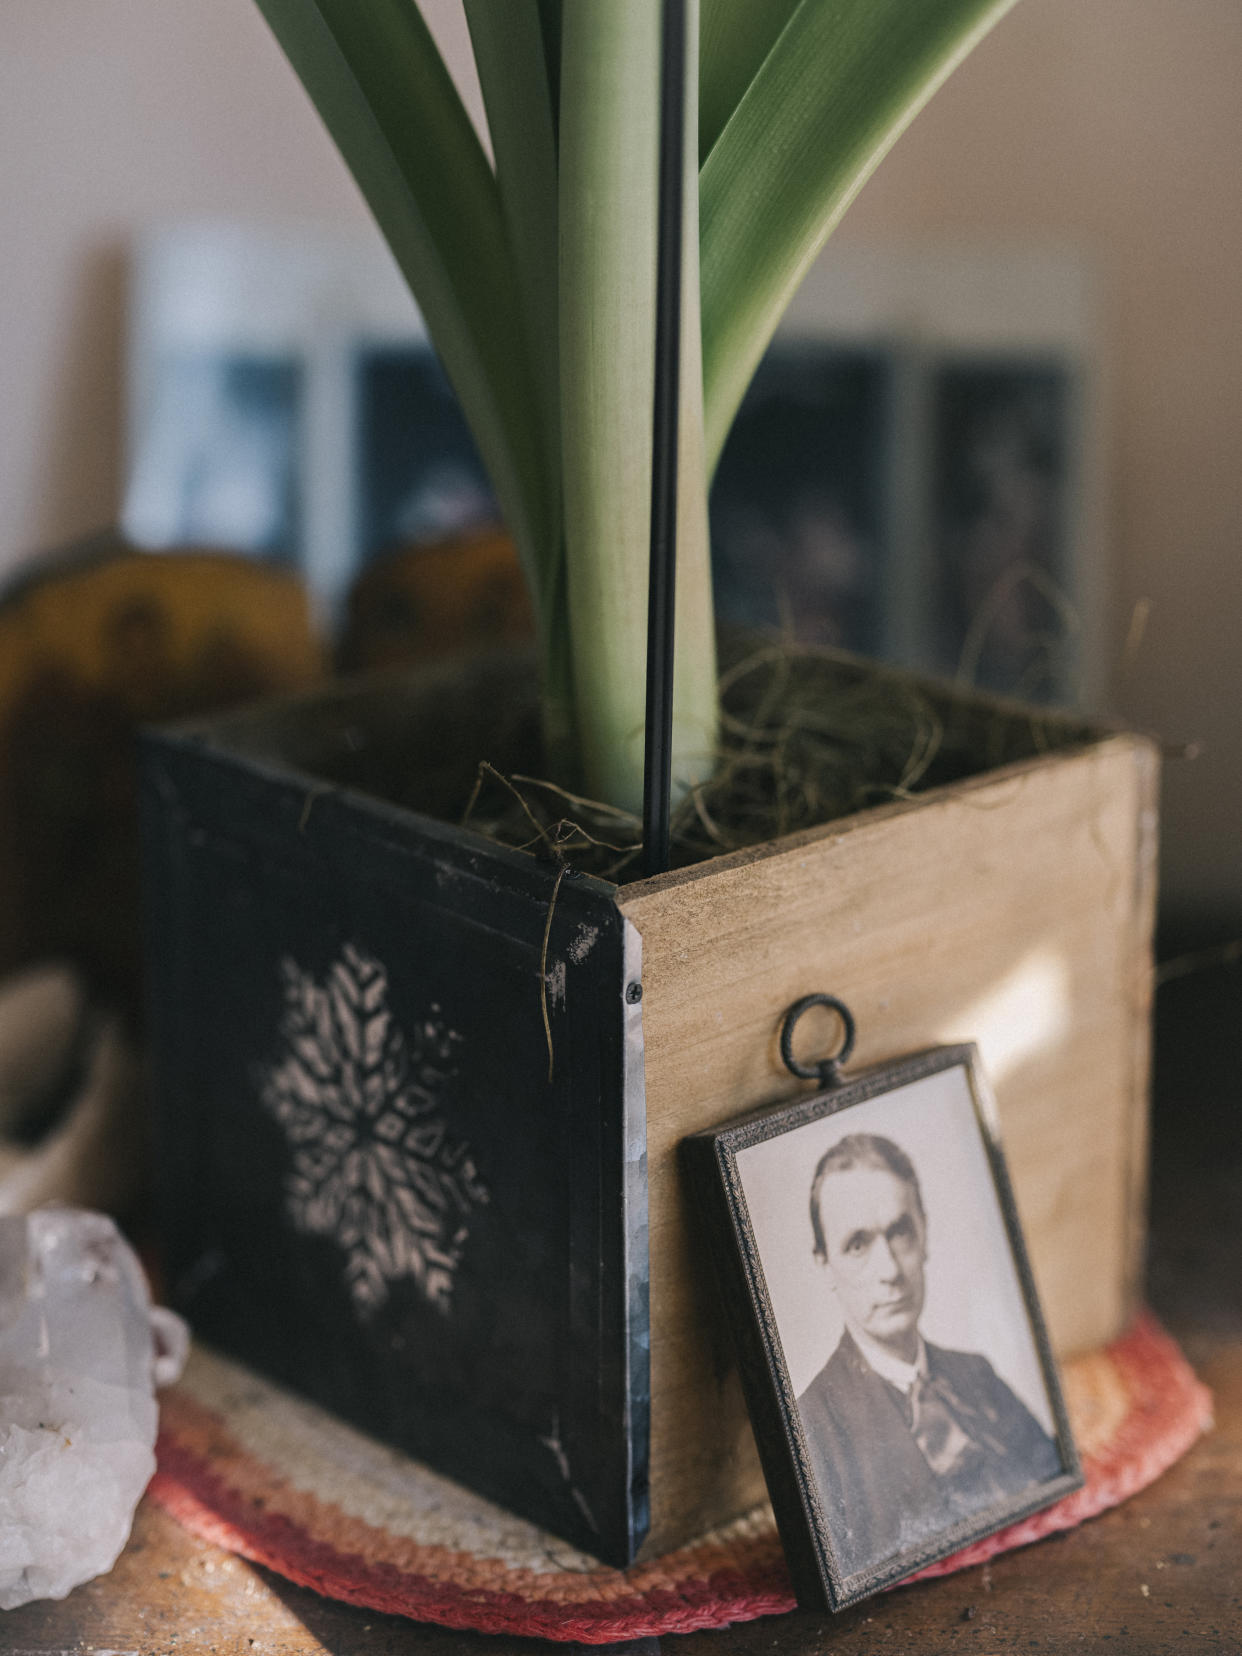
(807, 737)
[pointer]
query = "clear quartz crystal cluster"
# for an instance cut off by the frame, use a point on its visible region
(81, 1351)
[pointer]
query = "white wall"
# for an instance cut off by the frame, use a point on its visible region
(1114, 126)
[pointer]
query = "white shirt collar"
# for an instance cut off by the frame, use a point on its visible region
(890, 1368)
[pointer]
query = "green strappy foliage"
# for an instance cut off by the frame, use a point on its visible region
(536, 276)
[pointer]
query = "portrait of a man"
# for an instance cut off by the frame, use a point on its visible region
(904, 1437)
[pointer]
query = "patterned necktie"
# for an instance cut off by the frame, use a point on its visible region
(946, 1446)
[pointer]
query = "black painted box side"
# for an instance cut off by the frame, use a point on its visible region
(529, 1381)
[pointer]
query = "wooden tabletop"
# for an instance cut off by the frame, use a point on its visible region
(1161, 1573)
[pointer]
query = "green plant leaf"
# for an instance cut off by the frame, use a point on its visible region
(839, 86)
(609, 144)
(377, 80)
(608, 166)
(509, 53)
(734, 38)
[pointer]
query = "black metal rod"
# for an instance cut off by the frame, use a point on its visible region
(661, 605)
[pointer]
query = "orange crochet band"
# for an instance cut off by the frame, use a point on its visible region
(277, 1481)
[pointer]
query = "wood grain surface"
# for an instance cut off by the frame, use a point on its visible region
(1014, 910)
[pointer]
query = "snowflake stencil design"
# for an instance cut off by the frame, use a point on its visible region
(361, 1106)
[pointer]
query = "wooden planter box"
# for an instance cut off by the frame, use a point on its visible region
(375, 1191)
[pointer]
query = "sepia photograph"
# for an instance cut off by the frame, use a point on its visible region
(887, 1318)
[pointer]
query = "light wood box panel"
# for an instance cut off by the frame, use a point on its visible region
(1016, 910)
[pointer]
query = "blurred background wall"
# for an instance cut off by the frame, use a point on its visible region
(1112, 127)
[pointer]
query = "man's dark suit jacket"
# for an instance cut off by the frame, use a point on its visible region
(878, 1492)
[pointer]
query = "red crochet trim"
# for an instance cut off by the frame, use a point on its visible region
(1168, 1410)
(188, 1489)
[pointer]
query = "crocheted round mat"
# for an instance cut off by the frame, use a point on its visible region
(275, 1479)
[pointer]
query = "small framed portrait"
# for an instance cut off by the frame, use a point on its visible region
(890, 1342)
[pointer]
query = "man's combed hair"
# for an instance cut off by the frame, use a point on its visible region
(860, 1150)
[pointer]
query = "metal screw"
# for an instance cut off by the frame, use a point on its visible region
(633, 993)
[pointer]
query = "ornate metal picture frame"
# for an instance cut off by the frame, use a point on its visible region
(878, 1213)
